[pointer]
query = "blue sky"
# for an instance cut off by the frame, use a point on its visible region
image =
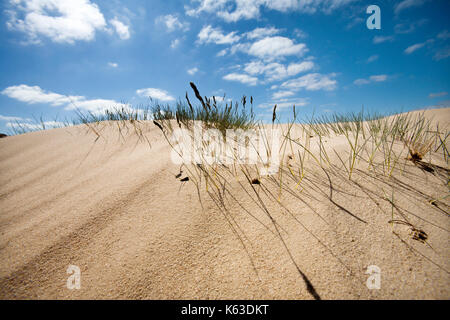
(316, 54)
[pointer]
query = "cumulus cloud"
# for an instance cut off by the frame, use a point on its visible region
(222, 52)
(261, 45)
(312, 82)
(155, 93)
(97, 105)
(282, 94)
(205, 6)
(242, 78)
(122, 30)
(276, 71)
(172, 23)
(63, 21)
(34, 95)
(192, 71)
(259, 33)
(113, 64)
(235, 10)
(275, 47)
(208, 34)
(19, 124)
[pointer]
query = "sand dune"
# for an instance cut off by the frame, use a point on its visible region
(113, 207)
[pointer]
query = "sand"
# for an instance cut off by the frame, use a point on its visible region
(113, 207)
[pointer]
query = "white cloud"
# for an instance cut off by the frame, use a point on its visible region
(96, 105)
(63, 21)
(243, 78)
(285, 103)
(414, 47)
(442, 54)
(442, 104)
(220, 99)
(407, 4)
(122, 29)
(175, 43)
(259, 33)
(192, 71)
(244, 10)
(205, 6)
(35, 126)
(355, 21)
(360, 82)
(381, 39)
(444, 35)
(374, 78)
(7, 118)
(208, 34)
(222, 52)
(417, 46)
(155, 93)
(276, 71)
(282, 94)
(378, 78)
(250, 9)
(312, 82)
(35, 94)
(172, 23)
(300, 33)
(372, 58)
(243, 47)
(275, 47)
(296, 68)
(432, 95)
(410, 26)
(113, 64)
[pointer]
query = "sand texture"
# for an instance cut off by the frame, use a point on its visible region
(113, 206)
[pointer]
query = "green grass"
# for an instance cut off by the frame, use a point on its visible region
(210, 112)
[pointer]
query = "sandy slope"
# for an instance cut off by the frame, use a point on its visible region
(114, 208)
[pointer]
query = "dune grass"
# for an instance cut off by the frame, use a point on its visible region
(376, 154)
(210, 112)
(376, 145)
